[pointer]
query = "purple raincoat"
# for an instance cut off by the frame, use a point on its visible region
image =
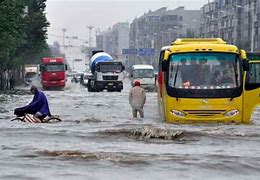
(38, 104)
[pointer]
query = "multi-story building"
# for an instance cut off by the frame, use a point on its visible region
(257, 29)
(236, 21)
(114, 40)
(159, 28)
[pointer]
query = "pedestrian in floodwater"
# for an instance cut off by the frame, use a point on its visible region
(137, 99)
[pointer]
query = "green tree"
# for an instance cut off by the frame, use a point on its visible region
(22, 36)
(11, 29)
(36, 25)
(12, 32)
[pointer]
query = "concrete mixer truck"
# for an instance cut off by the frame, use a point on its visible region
(106, 73)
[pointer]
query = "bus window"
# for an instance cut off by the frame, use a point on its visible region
(253, 76)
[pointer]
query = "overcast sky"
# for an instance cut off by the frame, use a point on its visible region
(76, 15)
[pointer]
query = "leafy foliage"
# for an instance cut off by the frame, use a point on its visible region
(12, 29)
(22, 36)
(36, 24)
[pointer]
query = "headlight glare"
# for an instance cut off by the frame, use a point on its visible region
(233, 112)
(178, 113)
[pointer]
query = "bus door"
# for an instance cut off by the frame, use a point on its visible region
(251, 93)
(161, 84)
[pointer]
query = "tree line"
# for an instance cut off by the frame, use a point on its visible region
(23, 34)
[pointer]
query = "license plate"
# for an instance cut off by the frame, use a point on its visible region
(110, 84)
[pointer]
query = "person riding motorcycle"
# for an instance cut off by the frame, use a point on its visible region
(38, 107)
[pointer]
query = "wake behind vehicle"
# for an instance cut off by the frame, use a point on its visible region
(144, 74)
(206, 80)
(107, 74)
(53, 73)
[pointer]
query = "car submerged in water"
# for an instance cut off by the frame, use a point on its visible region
(76, 76)
(84, 79)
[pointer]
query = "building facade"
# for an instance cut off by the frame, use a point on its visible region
(235, 21)
(114, 40)
(159, 28)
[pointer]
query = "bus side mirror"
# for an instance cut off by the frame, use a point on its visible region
(42, 67)
(66, 67)
(164, 65)
(164, 61)
(123, 68)
(245, 65)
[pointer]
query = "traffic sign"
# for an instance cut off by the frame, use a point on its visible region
(77, 60)
(130, 51)
(146, 52)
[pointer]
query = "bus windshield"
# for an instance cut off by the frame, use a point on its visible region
(143, 73)
(204, 71)
(55, 67)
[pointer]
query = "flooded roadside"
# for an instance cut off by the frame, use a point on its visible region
(98, 139)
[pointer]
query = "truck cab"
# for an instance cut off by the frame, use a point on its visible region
(53, 73)
(107, 74)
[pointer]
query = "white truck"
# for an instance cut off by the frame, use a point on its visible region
(31, 72)
(145, 74)
(106, 74)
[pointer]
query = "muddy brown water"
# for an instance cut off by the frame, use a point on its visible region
(98, 139)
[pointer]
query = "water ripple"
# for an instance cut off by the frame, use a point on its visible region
(129, 158)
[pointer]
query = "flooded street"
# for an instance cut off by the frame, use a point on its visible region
(99, 139)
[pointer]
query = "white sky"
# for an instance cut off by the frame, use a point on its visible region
(76, 15)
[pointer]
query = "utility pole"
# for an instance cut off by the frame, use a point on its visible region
(64, 30)
(90, 28)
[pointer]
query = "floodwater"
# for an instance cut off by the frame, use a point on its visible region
(98, 139)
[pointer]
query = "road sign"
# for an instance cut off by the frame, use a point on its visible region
(130, 51)
(146, 52)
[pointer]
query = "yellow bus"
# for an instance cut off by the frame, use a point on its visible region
(207, 80)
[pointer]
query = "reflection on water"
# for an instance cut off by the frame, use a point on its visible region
(98, 139)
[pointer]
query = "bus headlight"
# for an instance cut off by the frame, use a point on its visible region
(178, 113)
(231, 113)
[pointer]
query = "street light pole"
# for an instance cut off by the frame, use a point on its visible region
(64, 30)
(90, 28)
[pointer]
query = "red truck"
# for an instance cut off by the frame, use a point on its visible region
(53, 73)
